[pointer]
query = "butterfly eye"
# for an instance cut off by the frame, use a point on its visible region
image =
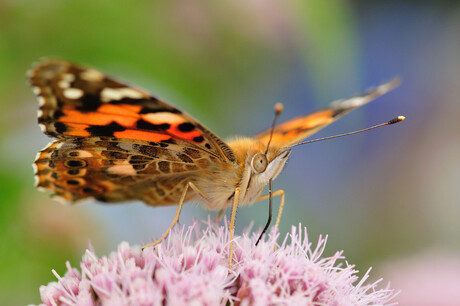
(259, 163)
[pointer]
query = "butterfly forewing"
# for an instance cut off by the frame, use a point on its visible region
(297, 129)
(82, 102)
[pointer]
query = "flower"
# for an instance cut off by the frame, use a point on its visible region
(191, 268)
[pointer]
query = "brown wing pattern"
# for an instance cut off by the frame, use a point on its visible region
(114, 171)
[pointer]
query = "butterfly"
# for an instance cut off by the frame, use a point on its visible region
(117, 143)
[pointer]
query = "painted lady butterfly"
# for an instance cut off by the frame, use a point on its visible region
(118, 143)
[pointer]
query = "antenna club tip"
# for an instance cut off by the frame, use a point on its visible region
(279, 107)
(396, 120)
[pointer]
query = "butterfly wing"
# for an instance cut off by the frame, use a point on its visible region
(297, 129)
(83, 102)
(115, 142)
(114, 170)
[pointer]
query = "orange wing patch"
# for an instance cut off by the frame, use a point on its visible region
(124, 121)
(141, 135)
(296, 129)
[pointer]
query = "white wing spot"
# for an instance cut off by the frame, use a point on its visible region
(64, 84)
(61, 200)
(92, 75)
(39, 188)
(34, 166)
(73, 93)
(37, 156)
(122, 170)
(366, 97)
(37, 180)
(83, 153)
(42, 127)
(68, 77)
(37, 90)
(351, 103)
(111, 94)
(41, 101)
(161, 117)
(40, 113)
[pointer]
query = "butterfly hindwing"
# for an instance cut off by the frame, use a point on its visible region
(114, 171)
(297, 129)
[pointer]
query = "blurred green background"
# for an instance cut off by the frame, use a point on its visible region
(381, 196)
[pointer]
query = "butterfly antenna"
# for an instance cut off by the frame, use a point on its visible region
(278, 109)
(392, 121)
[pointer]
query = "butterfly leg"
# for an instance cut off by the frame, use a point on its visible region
(176, 217)
(281, 194)
(232, 226)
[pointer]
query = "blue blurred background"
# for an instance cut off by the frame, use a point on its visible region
(380, 196)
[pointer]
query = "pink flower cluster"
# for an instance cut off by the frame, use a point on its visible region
(191, 268)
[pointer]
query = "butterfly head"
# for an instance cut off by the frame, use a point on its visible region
(257, 165)
(268, 165)
(263, 166)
